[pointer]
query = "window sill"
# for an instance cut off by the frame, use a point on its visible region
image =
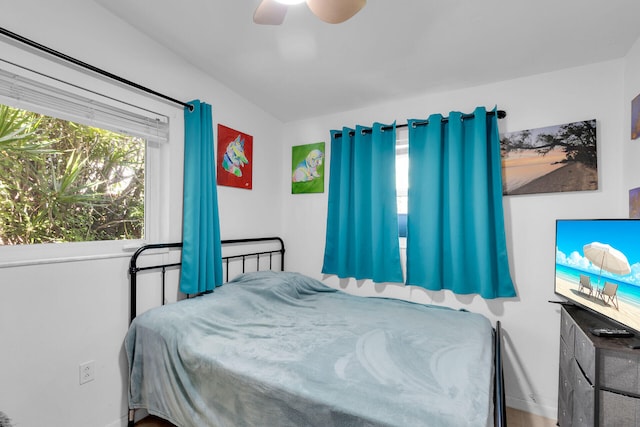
(57, 253)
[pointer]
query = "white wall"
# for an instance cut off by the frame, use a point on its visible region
(530, 322)
(631, 147)
(55, 316)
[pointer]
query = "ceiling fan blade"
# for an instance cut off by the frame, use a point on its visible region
(335, 11)
(270, 12)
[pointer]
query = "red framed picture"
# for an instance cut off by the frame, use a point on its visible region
(234, 158)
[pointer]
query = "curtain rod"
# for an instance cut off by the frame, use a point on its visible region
(79, 63)
(501, 114)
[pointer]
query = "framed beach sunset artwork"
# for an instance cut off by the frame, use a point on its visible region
(234, 158)
(634, 203)
(550, 159)
(635, 117)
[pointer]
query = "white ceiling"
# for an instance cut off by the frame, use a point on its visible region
(392, 48)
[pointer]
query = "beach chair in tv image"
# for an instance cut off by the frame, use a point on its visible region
(585, 284)
(608, 293)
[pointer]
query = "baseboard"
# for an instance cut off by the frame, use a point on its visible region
(121, 422)
(547, 411)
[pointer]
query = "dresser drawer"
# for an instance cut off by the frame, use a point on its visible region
(585, 354)
(565, 400)
(619, 370)
(583, 400)
(567, 330)
(566, 380)
(565, 412)
(617, 410)
(566, 359)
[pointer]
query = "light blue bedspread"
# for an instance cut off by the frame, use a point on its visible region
(282, 349)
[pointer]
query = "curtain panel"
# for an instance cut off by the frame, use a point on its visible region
(202, 253)
(455, 225)
(362, 222)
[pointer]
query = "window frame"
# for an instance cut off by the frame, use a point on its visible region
(402, 177)
(156, 160)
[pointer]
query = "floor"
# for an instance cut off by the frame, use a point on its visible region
(152, 421)
(515, 418)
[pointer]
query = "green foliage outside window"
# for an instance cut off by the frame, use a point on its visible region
(65, 182)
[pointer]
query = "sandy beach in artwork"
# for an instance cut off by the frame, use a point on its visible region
(573, 176)
(626, 313)
(522, 167)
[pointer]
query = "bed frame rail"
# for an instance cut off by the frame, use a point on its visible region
(499, 407)
(134, 269)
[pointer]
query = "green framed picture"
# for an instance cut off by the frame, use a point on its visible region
(307, 168)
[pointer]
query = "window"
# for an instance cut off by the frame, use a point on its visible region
(62, 181)
(402, 178)
(74, 169)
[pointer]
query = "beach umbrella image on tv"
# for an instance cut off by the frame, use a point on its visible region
(607, 258)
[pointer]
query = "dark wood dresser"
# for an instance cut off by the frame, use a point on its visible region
(599, 376)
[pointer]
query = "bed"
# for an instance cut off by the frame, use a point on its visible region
(276, 348)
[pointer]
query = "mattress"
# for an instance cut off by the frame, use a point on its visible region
(283, 349)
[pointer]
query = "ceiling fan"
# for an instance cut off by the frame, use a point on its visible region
(272, 12)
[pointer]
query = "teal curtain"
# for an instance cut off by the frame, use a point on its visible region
(455, 227)
(201, 253)
(362, 223)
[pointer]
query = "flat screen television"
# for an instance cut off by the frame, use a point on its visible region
(598, 267)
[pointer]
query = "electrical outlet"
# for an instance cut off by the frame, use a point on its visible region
(87, 372)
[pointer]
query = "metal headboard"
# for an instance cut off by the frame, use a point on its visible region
(243, 256)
